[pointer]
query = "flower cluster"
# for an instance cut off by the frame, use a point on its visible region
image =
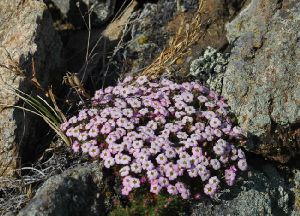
(160, 135)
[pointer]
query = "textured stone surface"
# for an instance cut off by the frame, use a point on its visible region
(74, 192)
(26, 33)
(262, 193)
(101, 10)
(296, 190)
(262, 79)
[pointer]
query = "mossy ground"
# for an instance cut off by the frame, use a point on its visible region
(143, 203)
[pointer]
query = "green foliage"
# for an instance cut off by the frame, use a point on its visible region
(41, 108)
(143, 203)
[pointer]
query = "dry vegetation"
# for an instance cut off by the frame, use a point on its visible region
(186, 36)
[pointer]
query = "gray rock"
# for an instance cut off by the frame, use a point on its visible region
(148, 32)
(78, 191)
(262, 78)
(262, 193)
(72, 10)
(26, 34)
(296, 190)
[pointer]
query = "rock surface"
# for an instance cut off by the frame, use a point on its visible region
(26, 34)
(261, 193)
(74, 11)
(262, 79)
(77, 191)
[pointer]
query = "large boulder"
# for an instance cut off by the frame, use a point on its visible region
(263, 192)
(77, 11)
(262, 79)
(26, 35)
(77, 191)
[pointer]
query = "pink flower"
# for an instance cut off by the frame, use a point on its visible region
(136, 167)
(230, 176)
(185, 195)
(164, 182)
(105, 154)
(171, 174)
(216, 165)
(152, 174)
(94, 151)
(224, 159)
(161, 159)
(237, 131)
(218, 149)
(116, 113)
(187, 97)
(85, 147)
(214, 181)
(106, 128)
(126, 191)
(147, 165)
(124, 171)
(135, 183)
(172, 190)
(202, 99)
(127, 79)
(210, 190)
(134, 102)
(197, 196)
(184, 163)
(193, 172)
(108, 162)
(73, 120)
(76, 146)
(210, 104)
(82, 136)
(242, 164)
(93, 132)
(64, 126)
(111, 138)
(137, 144)
(215, 122)
(127, 112)
(180, 105)
(125, 159)
(180, 187)
(155, 188)
(170, 153)
(201, 169)
(197, 151)
(141, 80)
(217, 132)
(205, 176)
(209, 114)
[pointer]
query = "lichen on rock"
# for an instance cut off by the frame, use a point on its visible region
(209, 68)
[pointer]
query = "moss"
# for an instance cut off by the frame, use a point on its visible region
(179, 61)
(151, 205)
(143, 39)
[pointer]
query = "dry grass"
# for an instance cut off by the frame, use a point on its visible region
(186, 36)
(16, 191)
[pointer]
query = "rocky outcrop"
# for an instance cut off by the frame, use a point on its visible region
(76, 12)
(26, 35)
(78, 191)
(261, 193)
(262, 79)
